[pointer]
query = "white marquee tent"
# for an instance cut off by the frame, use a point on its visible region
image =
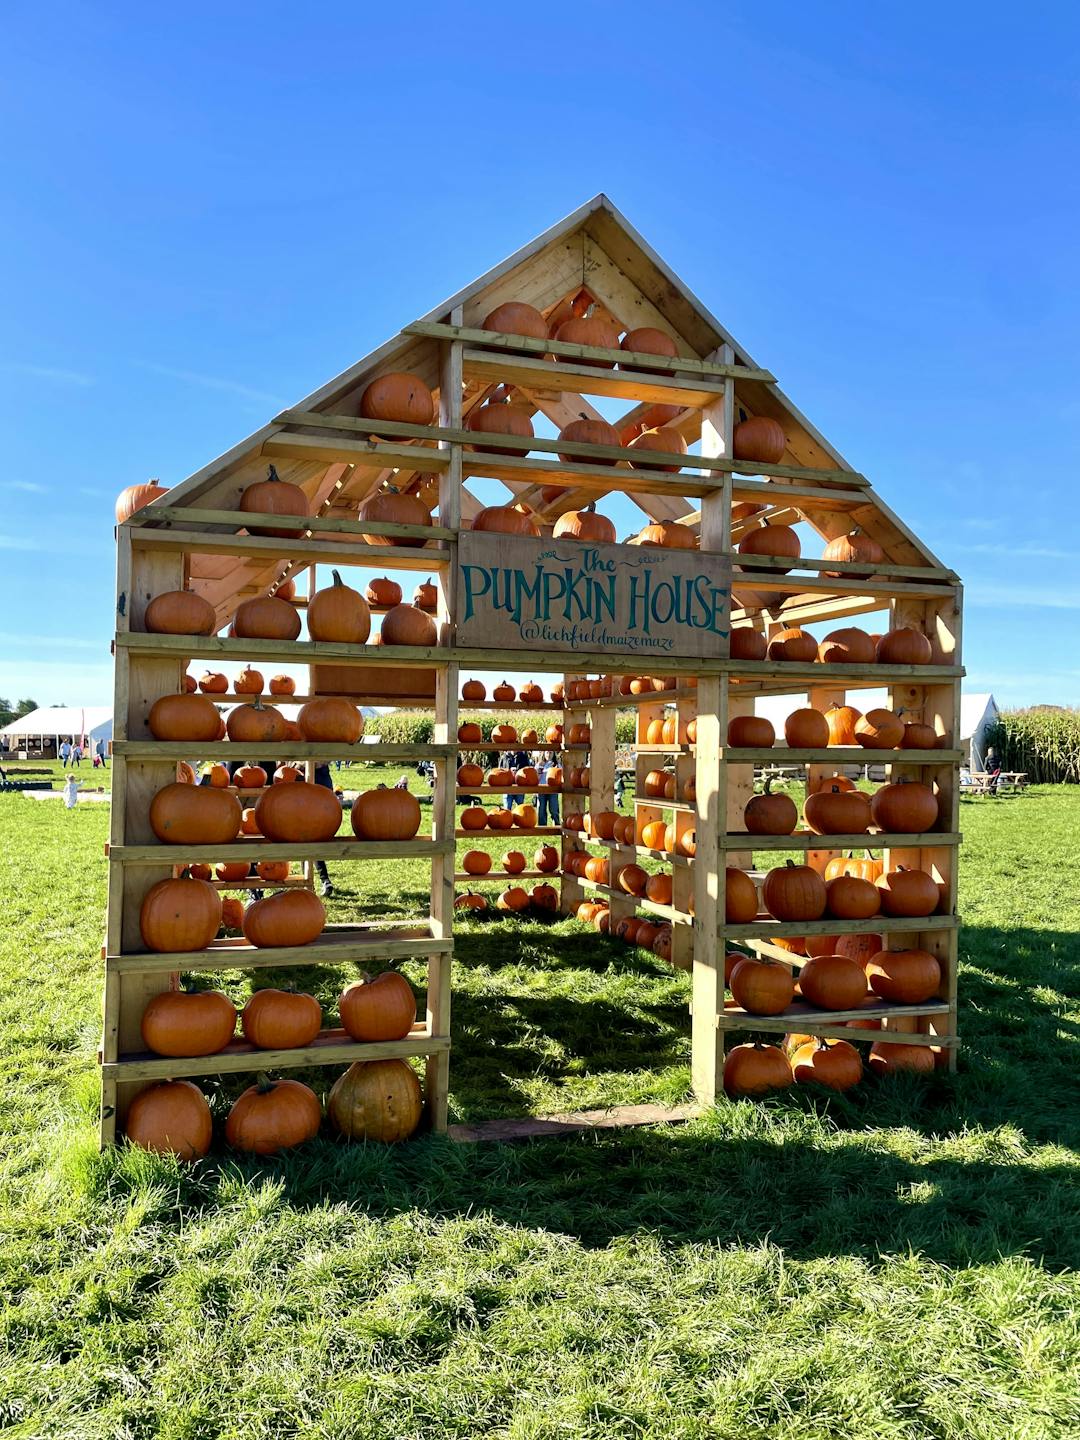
(56, 723)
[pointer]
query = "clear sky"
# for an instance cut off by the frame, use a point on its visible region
(206, 213)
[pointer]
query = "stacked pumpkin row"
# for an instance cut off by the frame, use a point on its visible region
(378, 1100)
(631, 929)
(300, 812)
(513, 862)
(781, 542)
(903, 807)
(185, 913)
(849, 890)
(832, 981)
(676, 838)
(522, 817)
(847, 646)
(755, 1069)
(514, 900)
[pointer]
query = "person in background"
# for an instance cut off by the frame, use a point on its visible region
(620, 789)
(102, 753)
(70, 792)
(547, 805)
(322, 777)
(76, 753)
(401, 783)
(64, 753)
(993, 767)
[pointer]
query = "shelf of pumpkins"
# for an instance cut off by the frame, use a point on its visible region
(389, 533)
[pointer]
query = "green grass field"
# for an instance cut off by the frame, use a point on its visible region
(900, 1262)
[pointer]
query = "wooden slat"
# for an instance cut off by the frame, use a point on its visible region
(840, 754)
(372, 454)
(283, 750)
(252, 850)
(313, 551)
(765, 928)
(317, 524)
(631, 359)
(806, 840)
(332, 1047)
(337, 945)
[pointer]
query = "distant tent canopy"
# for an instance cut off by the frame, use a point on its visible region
(61, 722)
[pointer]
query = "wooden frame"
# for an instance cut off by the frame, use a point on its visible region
(195, 535)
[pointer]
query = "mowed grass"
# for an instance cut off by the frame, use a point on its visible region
(900, 1262)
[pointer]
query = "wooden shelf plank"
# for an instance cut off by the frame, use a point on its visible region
(501, 877)
(252, 850)
(803, 1018)
(332, 1047)
(538, 374)
(597, 479)
(630, 359)
(516, 833)
(236, 520)
(840, 754)
(365, 454)
(280, 750)
(335, 946)
(846, 569)
(766, 929)
(485, 789)
(807, 840)
(324, 552)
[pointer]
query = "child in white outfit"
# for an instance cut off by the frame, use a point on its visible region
(70, 792)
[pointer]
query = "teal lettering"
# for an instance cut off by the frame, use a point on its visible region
(477, 583)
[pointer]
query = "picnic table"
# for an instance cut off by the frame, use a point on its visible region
(982, 782)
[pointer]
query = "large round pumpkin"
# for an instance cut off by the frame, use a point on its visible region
(755, 1070)
(274, 496)
(806, 729)
(386, 814)
(339, 614)
(833, 1063)
(850, 549)
(171, 1118)
(382, 592)
(515, 317)
(191, 718)
(746, 643)
(379, 1008)
(759, 438)
(794, 892)
(833, 810)
(392, 507)
(585, 525)
(188, 1023)
(907, 892)
(775, 541)
(832, 982)
(499, 419)
(793, 646)
(906, 807)
(256, 724)
(589, 432)
(667, 535)
(842, 720)
(879, 729)
(848, 646)
(376, 1100)
(904, 646)
(398, 396)
(852, 898)
(769, 814)
(180, 612)
(906, 977)
(762, 987)
(273, 1115)
(505, 520)
(408, 625)
(740, 897)
(135, 497)
(591, 330)
(332, 720)
(301, 813)
(665, 441)
(179, 915)
(266, 618)
(289, 918)
(648, 340)
(750, 732)
(476, 862)
(195, 815)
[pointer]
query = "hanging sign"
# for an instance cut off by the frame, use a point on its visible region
(632, 600)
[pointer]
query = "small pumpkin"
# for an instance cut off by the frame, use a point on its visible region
(498, 819)
(384, 814)
(281, 1019)
(513, 899)
(500, 418)
(918, 736)
(380, 1007)
(653, 834)
(648, 340)
(754, 1070)
(249, 682)
(585, 525)
(867, 868)
(180, 612)
(584, 431)
(470, 733)
(250, 777)
(273, 1115)
(769, 814)
(171, 1118)
(383, 592)
(426, 595)
(181, 1023)
(474, 690)
(545, 897)
(287, 919)
(408, 625)
(274, 496)
(515, 317)
(339, 614)
(593, 330)
(378, 1100)
(667, 535)
(546, 858)
(272, 871)
(665, 440)
(470, 901)
(632, 879)
(513, 862)
(476, 862)
(740, 897)
(212, 682)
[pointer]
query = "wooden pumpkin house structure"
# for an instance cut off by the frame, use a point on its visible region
(723, 581)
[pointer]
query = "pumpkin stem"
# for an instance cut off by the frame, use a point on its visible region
(263, 1083)
(336, 576)
(271, 473)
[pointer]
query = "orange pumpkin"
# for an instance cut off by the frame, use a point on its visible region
(179, 915)
(408, 625)
(834, 810)
(774, 541)
(667, 535)
(794, 892)
(754, 1070)
(135, 497)
(398, 396)
(515, 898)
(759, 438)
(378, 1008)
(832, 1063)
(384, 814)
(879, 729)
(904, 646)
(383, 592)
(266, 618)
(255, 724)
(184, 1024)
(769, 814)
(907, 892)
(500, 419)
(832, 982)
(545, 897)
(793, 646)
(515, 317)
(339, 614)
(584, 431)
(806, 729)
(906, 807)
(848, 646)
(250, 777)
(852, 898)
(891, 1057)
(474, 690)
(212, 682)
(170, 1118)
(248, 682)
(191, 718)
(301, 812)
(854, 547)
(842, 720)
(905, 977)
(666, 440)
(331, 720)
(273, 1115)
(286, 919)
(274, 496)
(281, 1019)
(390, 507)
(585, 525)
(761, 986)
(180, 612)
(195, 815)
(750, 732)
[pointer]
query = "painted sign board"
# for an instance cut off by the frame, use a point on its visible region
(515, 592)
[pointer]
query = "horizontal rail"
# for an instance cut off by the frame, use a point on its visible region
(336, 945)
(317, 524)
(324, 552)
(281, 750)
(255, 849)
(332, 1047)
(807, 840)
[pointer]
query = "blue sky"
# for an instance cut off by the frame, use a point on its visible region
(209, 212)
